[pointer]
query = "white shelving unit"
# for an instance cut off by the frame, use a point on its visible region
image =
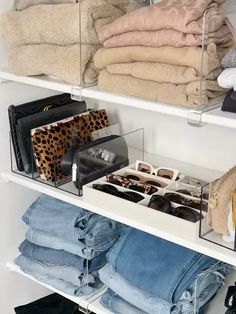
(92, 303)
(214, 116)
(138, 218)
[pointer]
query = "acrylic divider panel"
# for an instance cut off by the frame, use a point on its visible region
(94, 15)
(218, 224)
(68, 164)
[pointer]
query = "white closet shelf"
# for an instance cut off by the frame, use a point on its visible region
(137, 218)
(89, 302)
(215, 116)
(93, 303)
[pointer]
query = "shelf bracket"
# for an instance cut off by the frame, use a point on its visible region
(195, 118)
(4, 81)
(76, 93)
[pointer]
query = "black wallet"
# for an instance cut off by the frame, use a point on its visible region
(93, 160)
(27, 116)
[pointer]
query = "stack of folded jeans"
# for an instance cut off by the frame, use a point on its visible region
(66, 245)
(146, 274)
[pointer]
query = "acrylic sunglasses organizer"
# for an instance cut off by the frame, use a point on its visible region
(207, 233)
(166, 221)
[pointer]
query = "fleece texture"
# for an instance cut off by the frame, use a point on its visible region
(24, 4)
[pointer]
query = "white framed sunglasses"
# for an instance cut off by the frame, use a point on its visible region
(167, 173)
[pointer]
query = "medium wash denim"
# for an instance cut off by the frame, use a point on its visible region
(61, 258)
(71, 222)
(111, 301)
(88, 284)
(203, 290)
(161, 268)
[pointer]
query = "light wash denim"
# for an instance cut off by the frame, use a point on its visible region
(66, 273)
(192, 300)
(162, 268)
(111, 301)
(72, 223)
(53, 241)
(61, 258)
(59, 284)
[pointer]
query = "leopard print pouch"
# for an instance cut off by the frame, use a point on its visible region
(51, 142)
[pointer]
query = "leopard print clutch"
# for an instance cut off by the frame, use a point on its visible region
(51, 142)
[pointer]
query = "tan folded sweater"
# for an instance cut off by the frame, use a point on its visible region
(62, 24)
(23, 4)
(181, 95)
(184, 56)
(160, 72)
(58, 61)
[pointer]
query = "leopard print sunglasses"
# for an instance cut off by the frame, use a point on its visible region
(131, 184)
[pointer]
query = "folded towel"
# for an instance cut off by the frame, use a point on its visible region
(160, 72)
(167, 37)
(181, 95)
(62, 24)
(229, 60)
(185, 16)
(23, 4)
(227, 78)
(73, 64)
(184, 56)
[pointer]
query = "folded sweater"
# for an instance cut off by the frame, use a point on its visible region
(184, 56)
(23, 4)
(73, 64)
(160, 72)
(167, 37)
(62, 24)
(185, 16)
(181, 95)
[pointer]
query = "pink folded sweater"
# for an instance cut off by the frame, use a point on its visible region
(168, 37)
(183, 15)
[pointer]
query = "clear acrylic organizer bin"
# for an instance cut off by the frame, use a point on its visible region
(68, 168)
(206, 231)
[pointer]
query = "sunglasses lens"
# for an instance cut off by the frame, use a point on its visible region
(135, 196)
(137, 188)
(186, 213)
(106, 188)
(185, 192)
(153, 183)
(160, 203)
(144, 168)
(165, 173)
(132, 177)
(175, 198)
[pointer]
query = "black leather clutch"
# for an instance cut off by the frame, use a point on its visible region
(93, 160)
(27, 116)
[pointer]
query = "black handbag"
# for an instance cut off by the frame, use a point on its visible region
(27, 116)
(91, 161)
(51, 304)
(229, 103)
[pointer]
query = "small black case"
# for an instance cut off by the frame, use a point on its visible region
(95, 168)
(34, 114)
(229, 103)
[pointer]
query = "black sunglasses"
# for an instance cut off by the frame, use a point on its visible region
(127, 195)
(179, 199)
(163, 204)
